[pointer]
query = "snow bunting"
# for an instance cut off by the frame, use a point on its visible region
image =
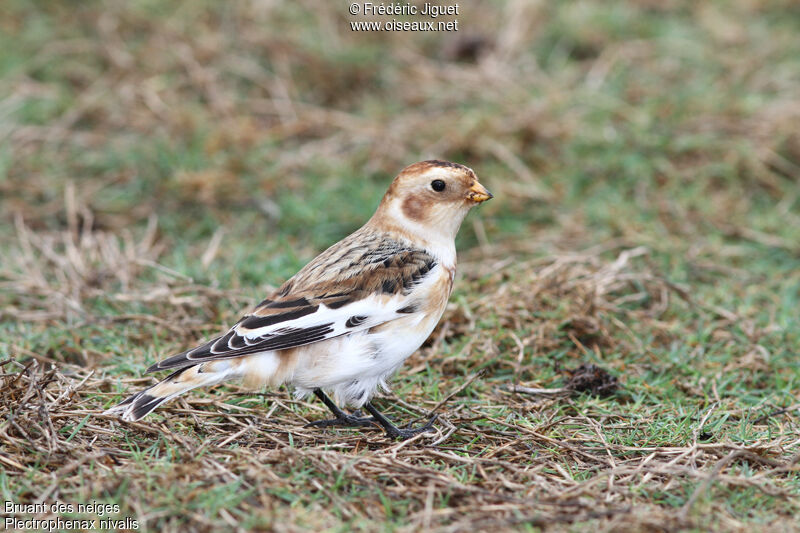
(348, 319)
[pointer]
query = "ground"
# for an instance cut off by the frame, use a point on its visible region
(164, 164)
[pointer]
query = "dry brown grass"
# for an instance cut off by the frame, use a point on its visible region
(541, 459)
(162, 166)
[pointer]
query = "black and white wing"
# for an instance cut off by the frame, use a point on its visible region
(349, 287)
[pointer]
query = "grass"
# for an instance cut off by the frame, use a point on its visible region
(162, 165)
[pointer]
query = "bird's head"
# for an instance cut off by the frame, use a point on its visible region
(430, 199)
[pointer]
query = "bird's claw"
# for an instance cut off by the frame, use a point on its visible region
(351, 421)
(403, 434)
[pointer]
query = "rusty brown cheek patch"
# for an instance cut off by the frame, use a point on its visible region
(414, 208)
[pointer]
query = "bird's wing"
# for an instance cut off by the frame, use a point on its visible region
(347, 288)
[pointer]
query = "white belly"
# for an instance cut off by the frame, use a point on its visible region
(353, 366)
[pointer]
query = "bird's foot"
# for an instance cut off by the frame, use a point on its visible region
(354, 420)
(396, 433)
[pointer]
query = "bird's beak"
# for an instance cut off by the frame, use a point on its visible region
(478, 193)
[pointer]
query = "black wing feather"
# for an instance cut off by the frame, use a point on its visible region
(214, 349)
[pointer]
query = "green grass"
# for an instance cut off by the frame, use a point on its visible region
(145, 134)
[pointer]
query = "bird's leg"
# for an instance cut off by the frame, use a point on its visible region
(342, 418)
(392, 431)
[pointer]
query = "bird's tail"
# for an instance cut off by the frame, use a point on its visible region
(142, 403)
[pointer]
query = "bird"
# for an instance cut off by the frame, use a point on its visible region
(346, 322)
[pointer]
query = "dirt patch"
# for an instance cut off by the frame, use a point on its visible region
(591, 378)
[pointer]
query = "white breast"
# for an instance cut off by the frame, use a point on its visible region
(353, 366)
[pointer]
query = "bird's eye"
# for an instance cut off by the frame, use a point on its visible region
(437, 185)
